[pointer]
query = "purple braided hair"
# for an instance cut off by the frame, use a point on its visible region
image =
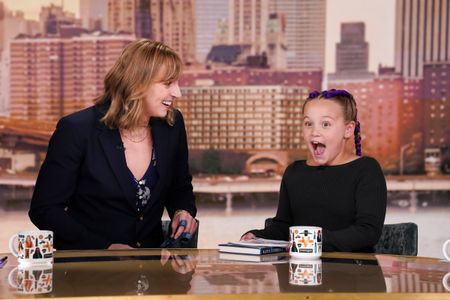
(358, 138)
(348, 102)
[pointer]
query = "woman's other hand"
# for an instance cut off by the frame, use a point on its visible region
(119, 246)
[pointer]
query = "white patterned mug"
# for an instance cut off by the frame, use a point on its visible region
(305, 272)
(445, 281)
(32, 279)
(32, 246)
(305, 242)
(445, 249)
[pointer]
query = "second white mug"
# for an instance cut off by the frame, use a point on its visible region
(32, 246)
(445, 249)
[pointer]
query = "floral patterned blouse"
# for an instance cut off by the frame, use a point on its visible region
(145, 185)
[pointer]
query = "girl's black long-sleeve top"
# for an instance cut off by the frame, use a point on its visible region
(348, 201)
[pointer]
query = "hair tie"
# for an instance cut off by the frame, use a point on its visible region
(358, 139)
(313, 94)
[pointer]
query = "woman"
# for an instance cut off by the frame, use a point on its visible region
(112, 168)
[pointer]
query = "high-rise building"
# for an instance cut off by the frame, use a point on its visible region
(248, 118)
(54, 76)
(52, 17)
(248, 24)
(168, 21)
(36, 79)
(11, 24)
(173, 22)
(421, 35)
(87, 59)
(131, 16)
(121, 16)
(94, 14)
(210, 14)
(305, 31)
(2, 16)
(310, 79)
(4, 82)
(437, 108)
(276, 43)
(412, 123)
(352, 52)
(14, 23)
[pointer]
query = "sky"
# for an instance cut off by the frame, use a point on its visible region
(378, 16)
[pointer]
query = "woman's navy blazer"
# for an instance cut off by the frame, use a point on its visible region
(84, 192)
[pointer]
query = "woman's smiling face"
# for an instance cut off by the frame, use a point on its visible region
(159, 98)
(325, 132)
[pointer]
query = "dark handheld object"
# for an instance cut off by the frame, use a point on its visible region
(179, 242)
(3, 261)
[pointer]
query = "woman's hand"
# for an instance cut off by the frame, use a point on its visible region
(248, 236)
(118, 247)
(183, 266)
(183, 222)
(180, 264)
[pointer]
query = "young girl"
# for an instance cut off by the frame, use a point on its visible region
(342, 192)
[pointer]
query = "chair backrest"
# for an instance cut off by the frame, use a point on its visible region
(192, 243)
(268, 222)
(401, 239)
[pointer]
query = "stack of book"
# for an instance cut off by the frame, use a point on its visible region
(271, 259)
(255, 247)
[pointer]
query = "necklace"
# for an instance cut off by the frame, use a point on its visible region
(135, 137)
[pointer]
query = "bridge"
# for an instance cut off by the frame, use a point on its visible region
(25, 134)
(243, 184)
(228, 186)
(223, 185)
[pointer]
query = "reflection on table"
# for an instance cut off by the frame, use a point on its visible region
(338, 275)
(121, 277)
(202, 272)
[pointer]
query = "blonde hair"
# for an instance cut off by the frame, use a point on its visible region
(141, 63)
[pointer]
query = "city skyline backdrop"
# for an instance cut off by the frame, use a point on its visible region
(249, 66)
(242, 110)
(379, 17)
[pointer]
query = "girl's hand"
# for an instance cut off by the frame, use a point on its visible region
(248, 236)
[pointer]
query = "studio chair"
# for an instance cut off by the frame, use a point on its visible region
(268, 222)
(400, 239)
(192, 243)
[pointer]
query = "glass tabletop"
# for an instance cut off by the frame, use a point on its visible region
(208, 272)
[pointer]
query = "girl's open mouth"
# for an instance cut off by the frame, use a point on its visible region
(319, 148)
